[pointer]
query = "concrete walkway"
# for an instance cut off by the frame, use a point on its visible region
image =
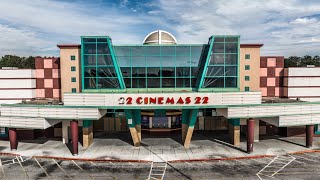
(119, 147)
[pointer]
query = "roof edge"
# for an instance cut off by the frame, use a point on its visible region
(68, 45)
(251, 45)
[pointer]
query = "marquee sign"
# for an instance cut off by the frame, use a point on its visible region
(173, 100)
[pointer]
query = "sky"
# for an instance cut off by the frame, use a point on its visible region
(35, 27)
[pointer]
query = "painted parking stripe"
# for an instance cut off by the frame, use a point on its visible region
(63, 170)
(41, 167)
(82, 169)
(101, 169)
(23, 169)
(3, 173)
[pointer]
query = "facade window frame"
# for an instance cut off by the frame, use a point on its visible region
(247, 56)
(247, 67)
(247, 78)
(73, 79)
(73, 90)
(73, 68)
(72, 57)
(247, 89)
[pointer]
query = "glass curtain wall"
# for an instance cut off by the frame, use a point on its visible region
(167, 66)
(98, 67)
(222, 71)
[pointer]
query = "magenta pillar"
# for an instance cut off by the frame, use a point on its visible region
(13, 138)
(74, 136)
(250, 135)
(309, 135)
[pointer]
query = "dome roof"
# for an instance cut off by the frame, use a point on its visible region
(159, 37)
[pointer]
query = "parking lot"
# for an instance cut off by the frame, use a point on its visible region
(297, 166)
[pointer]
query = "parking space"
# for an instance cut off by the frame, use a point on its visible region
(303, 166)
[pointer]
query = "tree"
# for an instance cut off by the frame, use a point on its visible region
(294, 61)
(16, 61)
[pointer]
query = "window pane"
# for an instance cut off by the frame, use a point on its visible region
(138, 72)
(194, 71)
(213, 83)
(183, 71)
(216, 59)
(137, 51)
(183, 61)
(231, 70)
(168, 72)
(183, 50)
(168, 61)
(218, 39)
(105, 60)
(231, 58)
(153, 72)
(89, 60)
(138, 82)
(231, 39)
(168, 50)
(193, 82)
(152, 50)
(153, 61)
(107, 72)
(105, 83)
(215, 71)
(183, 82)
(89, 83)
(124, 61)
(102, 40)
(168, 82)
(194, 61)
(122, 50)
(103, 48)
(90, 72)
(90, 48)
(231, 47)
(89, 39)
(196, 51)
(231, 82)
(138, 61)
(127, 82)
(153, 82)
(126, 71)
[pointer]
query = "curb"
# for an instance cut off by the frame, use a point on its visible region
(173, 161)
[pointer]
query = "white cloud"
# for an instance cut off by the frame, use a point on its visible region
(304, 21)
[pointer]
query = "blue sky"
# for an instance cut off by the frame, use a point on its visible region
(290, 27)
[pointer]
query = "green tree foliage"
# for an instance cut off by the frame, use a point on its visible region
(295, 61)
(16, 61)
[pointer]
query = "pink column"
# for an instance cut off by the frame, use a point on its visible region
(250, 135)
(74, 136)
(309, 135)
(13, 138)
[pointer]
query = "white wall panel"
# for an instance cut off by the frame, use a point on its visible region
(17, 93)
(17, 83)
(10, 101)
(304, 81)
(272, 110)
(308, 91)
(303, 71)
(230, 98)
(51, 113)
(299, 120)
(18, 73)
(29, 123)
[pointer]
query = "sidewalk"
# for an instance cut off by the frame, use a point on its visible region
(165, 148)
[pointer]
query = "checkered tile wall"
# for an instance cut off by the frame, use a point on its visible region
(48, 78)
(271, 76)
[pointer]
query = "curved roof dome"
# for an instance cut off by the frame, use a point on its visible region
(159, 37)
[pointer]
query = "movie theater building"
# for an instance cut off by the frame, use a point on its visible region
(159, 85)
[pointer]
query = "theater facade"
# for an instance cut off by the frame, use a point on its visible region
(156, 86)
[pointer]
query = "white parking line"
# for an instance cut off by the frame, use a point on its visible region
(22, 166)
(61, 168)
(101, 169)
(82, 169)
(41, 167)
(4, 175)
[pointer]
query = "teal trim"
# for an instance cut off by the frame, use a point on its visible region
(5, 134)
(160, 113)
(116, 66)
(137, 116)
(86, 124)
(129, 115)
(193, 117)
(316, 129)
(82, 64)
(234, 122)
(206, 63)
(238, 79)
(185, 116)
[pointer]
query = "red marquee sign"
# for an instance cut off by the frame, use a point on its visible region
(164, 100)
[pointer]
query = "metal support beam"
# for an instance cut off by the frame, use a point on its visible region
(309, 135)
(250, 135)
(13, 138)
(74, 136)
